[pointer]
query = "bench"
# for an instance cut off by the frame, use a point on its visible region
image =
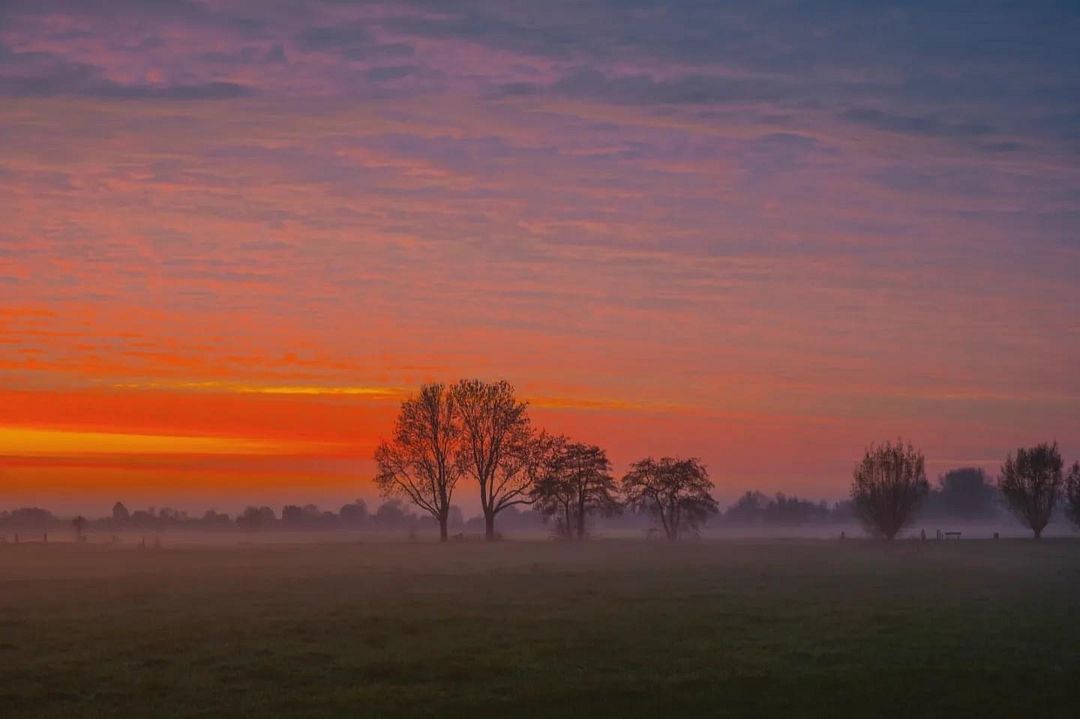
(955, 535)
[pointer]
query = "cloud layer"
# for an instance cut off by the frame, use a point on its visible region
(723, 228)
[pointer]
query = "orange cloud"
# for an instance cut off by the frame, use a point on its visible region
(31, 442)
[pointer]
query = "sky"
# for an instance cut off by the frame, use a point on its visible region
(767, 234)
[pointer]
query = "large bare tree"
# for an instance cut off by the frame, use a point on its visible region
(422, 462)
(578, 483)
(500, 448)
(1031, 482)
(889, 485)
(675, 491)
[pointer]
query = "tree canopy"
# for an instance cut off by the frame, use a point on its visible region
(1031, 482)
(423, 460)
(500, 449)
(577, 483)
(1072, 493)
(888, 486)
(675, 491)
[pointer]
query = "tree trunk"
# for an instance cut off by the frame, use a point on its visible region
(668, 529)
(1038, 532)
(489, 526)
(443, 536)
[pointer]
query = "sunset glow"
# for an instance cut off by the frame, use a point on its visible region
(237, 235)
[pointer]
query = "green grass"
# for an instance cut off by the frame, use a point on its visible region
(607, 629)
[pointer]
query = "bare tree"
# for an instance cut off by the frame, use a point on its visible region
(1072, 493)
(889, 485)
(578, 483)
(422, 461)
(676, 491)
(500, 448)
(1031, 483)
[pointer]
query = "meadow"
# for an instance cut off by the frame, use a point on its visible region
(608, 628)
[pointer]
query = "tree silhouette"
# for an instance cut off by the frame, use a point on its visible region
(256, 518)
(965, 493)
(500, 449)
(578, 483)
(422, 462)
(888, 486)
(675, 491)
(748, 509)
(393, 514)
(1031, 483)
(354, 515)
(1072, 494)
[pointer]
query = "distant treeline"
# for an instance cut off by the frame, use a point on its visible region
(963, 494)
(390, 516)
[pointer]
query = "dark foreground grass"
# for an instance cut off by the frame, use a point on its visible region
(608, 629)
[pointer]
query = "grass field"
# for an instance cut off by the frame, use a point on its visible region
(527, 629)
